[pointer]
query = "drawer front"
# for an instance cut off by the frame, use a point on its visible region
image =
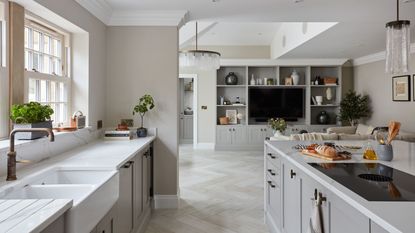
(273, 157)
(273, 172)
(274, 200)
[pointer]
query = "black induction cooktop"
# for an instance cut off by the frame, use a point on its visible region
(372, 181)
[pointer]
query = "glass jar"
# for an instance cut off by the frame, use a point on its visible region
(369, 152)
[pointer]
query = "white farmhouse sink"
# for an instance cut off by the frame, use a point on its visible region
(93, 194)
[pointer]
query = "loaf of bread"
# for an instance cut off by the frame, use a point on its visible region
(326, 151)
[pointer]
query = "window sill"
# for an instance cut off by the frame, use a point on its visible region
(5, 144)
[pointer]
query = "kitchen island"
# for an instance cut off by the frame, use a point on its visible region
(291, 183)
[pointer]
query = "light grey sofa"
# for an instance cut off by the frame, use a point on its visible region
(360, 132)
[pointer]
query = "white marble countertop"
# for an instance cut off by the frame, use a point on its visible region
(392, 216)
(34, 215)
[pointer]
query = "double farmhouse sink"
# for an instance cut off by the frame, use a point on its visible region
(93, 192)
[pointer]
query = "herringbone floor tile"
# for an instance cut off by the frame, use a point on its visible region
(221, 192)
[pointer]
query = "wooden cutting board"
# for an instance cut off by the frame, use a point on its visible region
(305, 152)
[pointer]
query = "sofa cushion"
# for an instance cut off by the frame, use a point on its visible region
(364, 129)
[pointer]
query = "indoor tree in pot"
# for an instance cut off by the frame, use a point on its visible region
(145, 103)
(31, 115)
(354, 106)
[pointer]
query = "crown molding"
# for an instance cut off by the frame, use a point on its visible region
(148, 18)
(99, 8)
(375, 57)
(104, 12)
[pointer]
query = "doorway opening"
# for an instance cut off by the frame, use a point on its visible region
(188, 109)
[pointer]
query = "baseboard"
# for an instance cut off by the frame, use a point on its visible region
(204, 146)
(166, 202)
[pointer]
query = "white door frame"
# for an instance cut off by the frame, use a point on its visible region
(195, 105)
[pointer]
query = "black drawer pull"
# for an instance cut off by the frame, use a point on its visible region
(271, 172)
(272, 156)
(270, 184)
(292, 174)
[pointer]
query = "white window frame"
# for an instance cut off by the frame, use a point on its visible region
(57, 33)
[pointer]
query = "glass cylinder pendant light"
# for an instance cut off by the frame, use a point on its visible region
(397, 45)
(199, 59)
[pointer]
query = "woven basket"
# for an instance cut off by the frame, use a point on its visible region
(223, 120)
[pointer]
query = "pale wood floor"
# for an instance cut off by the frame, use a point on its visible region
(221, 192)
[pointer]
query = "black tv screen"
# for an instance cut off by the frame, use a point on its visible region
(287, 103)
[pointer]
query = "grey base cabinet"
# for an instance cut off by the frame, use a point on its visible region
(289, 200)
(132, 211)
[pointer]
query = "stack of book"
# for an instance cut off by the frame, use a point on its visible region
(118, 134)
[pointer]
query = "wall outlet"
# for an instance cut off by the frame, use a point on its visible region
(204, 107)
(99, 124)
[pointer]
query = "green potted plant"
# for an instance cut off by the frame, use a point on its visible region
(278, 125)
(354, 106)
(31, 115)
(145, 104)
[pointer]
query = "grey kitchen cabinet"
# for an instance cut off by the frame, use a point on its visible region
(137, 188)
(258, 134)
(231, 135)
(289, 195)
(125, 201)
(375, 228)
(344, 218)
(291, 198)
(310, 189)
(135, 192)
(223, 135)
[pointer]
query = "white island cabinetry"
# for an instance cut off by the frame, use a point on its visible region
(289, 201)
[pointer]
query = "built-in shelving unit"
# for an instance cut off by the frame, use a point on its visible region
(278, 75)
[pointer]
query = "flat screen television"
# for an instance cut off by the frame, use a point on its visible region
(265, 103)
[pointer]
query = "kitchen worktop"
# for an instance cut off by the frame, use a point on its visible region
(34, 215)
(392, 216)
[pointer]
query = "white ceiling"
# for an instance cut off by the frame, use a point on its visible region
(239, 34)
(361, 28)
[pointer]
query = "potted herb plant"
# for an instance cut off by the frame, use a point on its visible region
(278, 125)
(145, 104)
(353, 107)
(31, 115)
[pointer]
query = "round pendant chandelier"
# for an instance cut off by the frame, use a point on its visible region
(199, 59)
(397, 45)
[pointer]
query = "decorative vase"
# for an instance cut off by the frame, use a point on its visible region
(384, 152)
(329, 94)
(295, 77)
(231, 79)
(323, 118)
(252, 82)
(141, 132)
(277, 133)
(319, 100)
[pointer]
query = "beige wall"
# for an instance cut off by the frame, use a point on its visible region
(97, 52)
(372, 80)
(144, 60)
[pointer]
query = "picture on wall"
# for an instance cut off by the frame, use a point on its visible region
(401, 88)
(231, 115)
